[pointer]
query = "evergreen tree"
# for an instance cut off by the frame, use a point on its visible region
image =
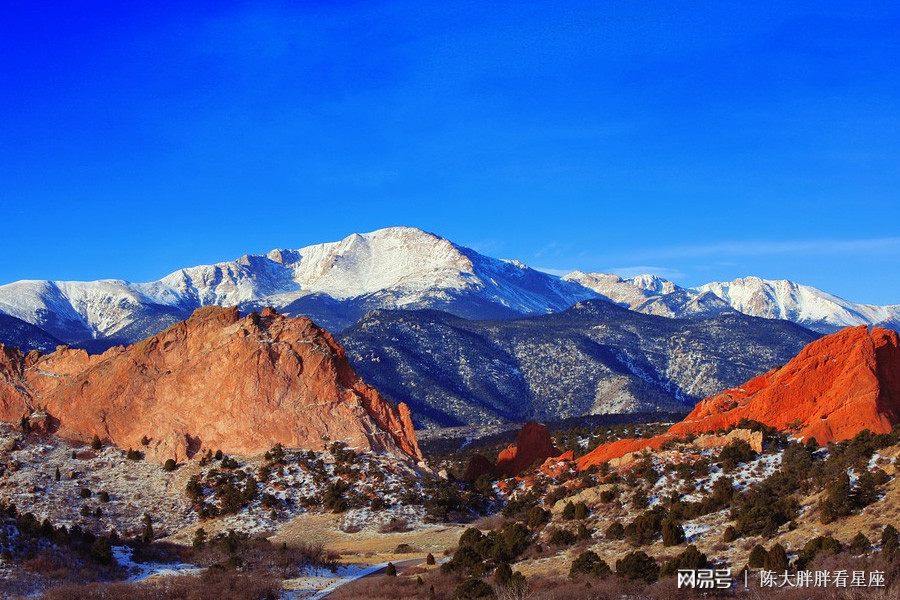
(581, 511)
(199, 538)
(757, 557)
(860, 544)
(147, 529)
(890, 540)
(672, 533)
(776, 559)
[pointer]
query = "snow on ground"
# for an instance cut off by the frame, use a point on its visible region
(316, 586)
(694, 530)
(141, 571)
(134, 487)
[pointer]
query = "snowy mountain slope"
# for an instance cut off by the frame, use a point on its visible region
(16, 332)
(593, 358)
(806, 305)
(770, 299)
(335, 283)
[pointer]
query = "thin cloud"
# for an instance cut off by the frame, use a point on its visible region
(768, 247)
(664, 272)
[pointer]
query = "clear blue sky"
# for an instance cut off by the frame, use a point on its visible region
(699, 140)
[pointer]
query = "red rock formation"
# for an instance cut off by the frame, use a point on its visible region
(836, 387)
(213, 381)
(533, 446)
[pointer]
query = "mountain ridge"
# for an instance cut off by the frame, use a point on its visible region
(402, 268)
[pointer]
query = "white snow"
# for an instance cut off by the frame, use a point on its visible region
(140, 571)
(401, 266)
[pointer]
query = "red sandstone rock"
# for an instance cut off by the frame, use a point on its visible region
(836, 387)
(213, 381)
(533, 446)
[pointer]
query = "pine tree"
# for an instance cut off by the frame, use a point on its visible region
(57, 474)
(391, 570)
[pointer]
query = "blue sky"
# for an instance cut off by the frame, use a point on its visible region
(698, 140)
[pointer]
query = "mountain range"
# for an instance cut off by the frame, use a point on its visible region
(594, 358)
(398, 268)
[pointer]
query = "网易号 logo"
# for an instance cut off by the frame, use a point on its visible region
(704, 579)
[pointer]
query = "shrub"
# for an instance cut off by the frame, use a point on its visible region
(199, 540)
(104, 496)
(391, 570)
(503, 574)
(638, 565)
(133, 454)
(562, 537)
(194, 489)
(776, 559)
(472, 588)
(537, 516)
(170, 465)
(646, 527)
(146, 529)
(734, 453)
(95, 443)
(85, 493)
(589, 563)
(691, 558)
(395, 525)
(860, 544)
(101, 551)
(816, 546)
(672, 533)
(429, 560)
(890, 540)
(616, 531)
(730, 535)
(757, 557)
(145, 441)
(568, 512)
(581, 511)
(607, 496)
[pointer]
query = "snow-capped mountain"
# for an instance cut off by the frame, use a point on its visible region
(396, 268)
(770, 299)
(651, 295)
(334, 283)
(802, 304)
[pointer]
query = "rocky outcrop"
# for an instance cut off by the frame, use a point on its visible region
(833, 389)
(533, 446)
(214, 381)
